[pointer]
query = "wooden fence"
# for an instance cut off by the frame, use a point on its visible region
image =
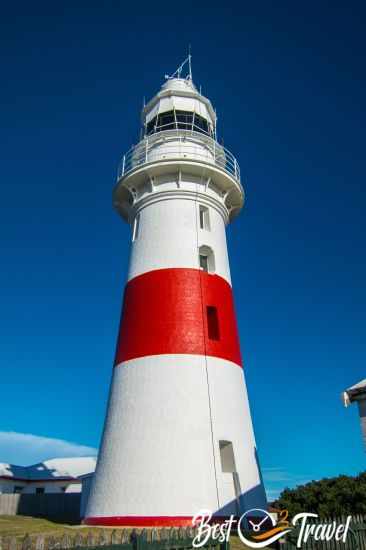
(118, 539)
(174, 539)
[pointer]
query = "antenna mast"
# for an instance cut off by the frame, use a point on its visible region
(178, 72)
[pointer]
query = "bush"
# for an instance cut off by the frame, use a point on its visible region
(329, 497)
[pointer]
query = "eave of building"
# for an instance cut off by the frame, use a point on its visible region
(355, 393)
(40, 480)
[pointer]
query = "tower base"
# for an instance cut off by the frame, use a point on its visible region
(148, 521)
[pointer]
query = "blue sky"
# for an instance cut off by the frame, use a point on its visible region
(288, 82)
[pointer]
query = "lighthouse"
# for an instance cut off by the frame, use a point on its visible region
(178, 435)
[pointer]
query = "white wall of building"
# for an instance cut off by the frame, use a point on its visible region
(11, 486)
(362, 412)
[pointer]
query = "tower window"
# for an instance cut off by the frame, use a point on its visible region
(204, 218)
(204, 262)
(40, 490)
(227, 457)
(213, 328)
(136, 227)
(206, 259)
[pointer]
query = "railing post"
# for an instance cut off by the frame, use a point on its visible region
(146, 150)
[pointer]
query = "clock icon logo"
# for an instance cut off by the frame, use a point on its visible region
(258, 529)
(258, 520)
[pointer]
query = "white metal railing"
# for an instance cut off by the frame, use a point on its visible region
(179, 125)
(179, 144)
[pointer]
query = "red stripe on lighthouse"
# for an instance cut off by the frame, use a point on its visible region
(178, 311)
(141, 521)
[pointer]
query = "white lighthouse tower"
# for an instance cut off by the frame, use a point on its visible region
(178, 435)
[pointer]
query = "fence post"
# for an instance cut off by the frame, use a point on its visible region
(142, 540)
(27, 543)
(134, 540)
(65, 541)
(114, 537)
(78, 540)
(12, 544)
(40, 542)
(90, 540)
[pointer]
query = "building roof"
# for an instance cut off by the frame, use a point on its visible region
(354, 392)
(50, 470)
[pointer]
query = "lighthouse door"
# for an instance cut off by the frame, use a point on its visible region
(230, 493)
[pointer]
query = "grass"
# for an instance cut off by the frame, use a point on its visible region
(19, 526)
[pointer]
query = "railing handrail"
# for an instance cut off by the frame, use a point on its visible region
(138, 154)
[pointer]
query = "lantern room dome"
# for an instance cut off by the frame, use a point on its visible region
(178, 104)
(179, 84)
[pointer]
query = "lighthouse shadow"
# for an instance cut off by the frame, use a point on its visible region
(244, 501)
(254, 498)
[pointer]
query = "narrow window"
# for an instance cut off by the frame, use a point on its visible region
(206, 259)
(227, 457)
(213, 323)
(204, 262)
(204, 218)
(39, 490)
(136, 227)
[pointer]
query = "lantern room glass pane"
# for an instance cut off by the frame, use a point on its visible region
(183, 120)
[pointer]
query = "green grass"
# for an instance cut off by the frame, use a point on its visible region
(20, 526)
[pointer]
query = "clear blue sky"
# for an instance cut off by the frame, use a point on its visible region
(288, 82)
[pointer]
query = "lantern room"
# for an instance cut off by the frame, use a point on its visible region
(179, 106)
